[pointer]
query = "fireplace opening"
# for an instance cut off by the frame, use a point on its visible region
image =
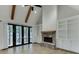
(48, 39)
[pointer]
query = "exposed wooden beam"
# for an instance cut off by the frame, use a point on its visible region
(38, 6)
(28, 14)
(13, 11)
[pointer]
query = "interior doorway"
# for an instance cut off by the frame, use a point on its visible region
(19, 35)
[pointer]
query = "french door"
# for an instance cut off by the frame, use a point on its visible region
(25, 35)
(18, 35)
(10, 35)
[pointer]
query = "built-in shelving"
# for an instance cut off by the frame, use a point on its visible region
(68, 33)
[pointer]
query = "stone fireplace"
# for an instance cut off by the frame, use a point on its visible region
(49, 38)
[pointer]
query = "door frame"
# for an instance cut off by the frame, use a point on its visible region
(14, 36)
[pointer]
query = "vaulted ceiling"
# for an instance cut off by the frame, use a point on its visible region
(20, 14)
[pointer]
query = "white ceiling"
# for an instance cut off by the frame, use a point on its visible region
(20, 14)
(76, 7)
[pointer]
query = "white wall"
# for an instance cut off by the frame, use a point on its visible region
(37, 37)
(67, 28)
(3, 35)
(49, 17)
(34, 33)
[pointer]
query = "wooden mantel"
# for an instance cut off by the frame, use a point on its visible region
(48, 32)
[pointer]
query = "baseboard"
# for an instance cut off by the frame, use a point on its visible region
(15, 46)
(66, 50)
(4, 49)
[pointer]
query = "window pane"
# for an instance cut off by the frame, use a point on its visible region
(18, 35)
(10, 35)
(25, 35)
(30, 34)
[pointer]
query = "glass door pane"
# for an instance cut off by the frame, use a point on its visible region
(30, 34)
(18, 35)
(25, 34)
(10, 35)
